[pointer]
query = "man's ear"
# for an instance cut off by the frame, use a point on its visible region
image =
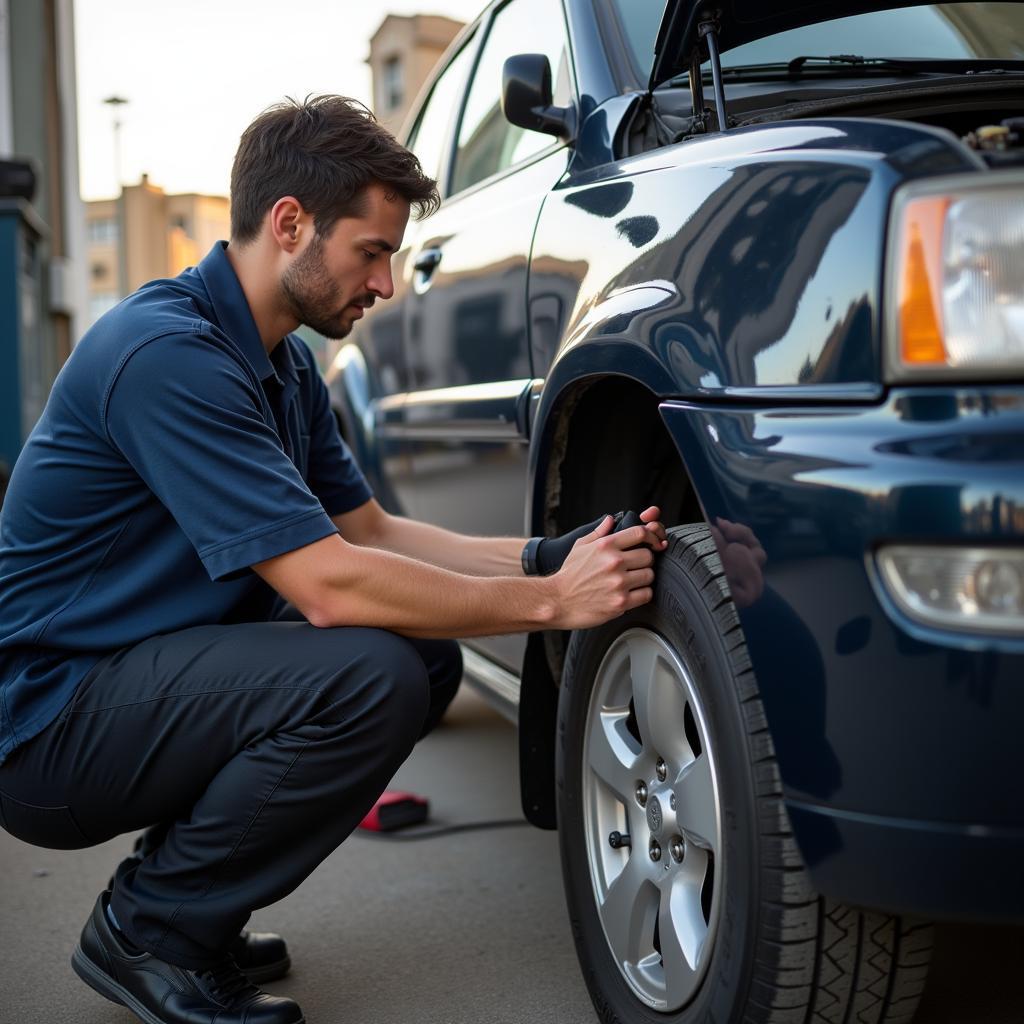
(289, 223)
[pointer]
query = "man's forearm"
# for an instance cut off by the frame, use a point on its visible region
(390, 591)
(472, 556)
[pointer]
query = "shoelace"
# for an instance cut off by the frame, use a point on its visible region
(226, 982)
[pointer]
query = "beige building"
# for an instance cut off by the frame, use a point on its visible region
(403, 52)
(145, 234)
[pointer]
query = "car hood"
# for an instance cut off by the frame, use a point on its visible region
(737, 22)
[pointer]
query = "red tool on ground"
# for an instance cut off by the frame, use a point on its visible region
(394, 810)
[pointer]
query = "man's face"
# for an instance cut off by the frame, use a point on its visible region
(335, 277)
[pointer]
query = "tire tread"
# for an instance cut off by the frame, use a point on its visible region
(821, 962)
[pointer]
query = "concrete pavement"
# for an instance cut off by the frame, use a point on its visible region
(465, 928)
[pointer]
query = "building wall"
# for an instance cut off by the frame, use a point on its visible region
(203, 220)
(145, 234)
(143, 217)
(414, 44)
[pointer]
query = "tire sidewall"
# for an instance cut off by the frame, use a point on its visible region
(680, 614)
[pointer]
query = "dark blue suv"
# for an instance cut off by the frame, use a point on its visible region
(761, 265)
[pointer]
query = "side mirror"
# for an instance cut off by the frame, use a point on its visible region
(526, 97)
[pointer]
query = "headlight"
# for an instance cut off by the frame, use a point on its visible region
(955, 279)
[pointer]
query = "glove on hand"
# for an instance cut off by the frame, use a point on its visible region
(551, 552)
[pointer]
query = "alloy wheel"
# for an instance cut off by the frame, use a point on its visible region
(652, 819)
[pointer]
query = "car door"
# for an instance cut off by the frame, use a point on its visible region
(462, 424)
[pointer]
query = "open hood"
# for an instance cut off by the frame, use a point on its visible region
(737, 22)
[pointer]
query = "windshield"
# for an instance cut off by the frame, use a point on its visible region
(943, 31)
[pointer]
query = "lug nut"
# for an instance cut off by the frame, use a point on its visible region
(672, 801)
(662, 770)
(641, 793)
(618, 839)
(677, 849)
(655, 850)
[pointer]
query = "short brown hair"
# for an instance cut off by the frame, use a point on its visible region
(324, 151)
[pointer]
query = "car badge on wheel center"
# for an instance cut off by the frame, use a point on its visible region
(654, 817)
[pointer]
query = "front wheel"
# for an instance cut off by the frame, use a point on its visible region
(687, 895)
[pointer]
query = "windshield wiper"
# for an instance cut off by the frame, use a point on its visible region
(923, 64)
(844, 63)
(851, 63)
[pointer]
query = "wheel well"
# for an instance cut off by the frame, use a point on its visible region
(611, 451)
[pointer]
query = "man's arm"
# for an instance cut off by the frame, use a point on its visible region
(370, 526)
(334, 583)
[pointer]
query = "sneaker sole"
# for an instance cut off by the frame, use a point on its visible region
(101, 982)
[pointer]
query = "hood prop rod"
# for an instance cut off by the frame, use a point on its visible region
(697, 91)
(709, 31)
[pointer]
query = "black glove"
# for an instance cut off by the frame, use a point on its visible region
(543, 556)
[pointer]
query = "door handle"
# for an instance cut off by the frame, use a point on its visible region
(427, 261)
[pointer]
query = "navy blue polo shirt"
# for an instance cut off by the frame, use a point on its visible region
(173, 453)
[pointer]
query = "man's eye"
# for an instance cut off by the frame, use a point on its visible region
(369, 255)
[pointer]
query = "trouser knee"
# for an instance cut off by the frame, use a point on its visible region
(387, 694)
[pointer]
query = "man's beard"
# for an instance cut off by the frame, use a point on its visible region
(311, 295)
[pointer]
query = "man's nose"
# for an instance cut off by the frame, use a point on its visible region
(381, 284)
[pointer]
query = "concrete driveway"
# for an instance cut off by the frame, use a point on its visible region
(468, 928)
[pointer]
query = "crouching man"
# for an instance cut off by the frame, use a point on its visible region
(208, 627)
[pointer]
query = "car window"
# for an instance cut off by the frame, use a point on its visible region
(957, 31)
(428, 137)
(487, 142)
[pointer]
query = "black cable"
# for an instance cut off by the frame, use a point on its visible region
(433, 831)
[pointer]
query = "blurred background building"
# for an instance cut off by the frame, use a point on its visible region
(403, 52)
(42, 222)
(145, 234)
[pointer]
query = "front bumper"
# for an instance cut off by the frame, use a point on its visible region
(898, 744)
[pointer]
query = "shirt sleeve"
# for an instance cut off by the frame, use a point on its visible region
(188, 418)
(333, 475)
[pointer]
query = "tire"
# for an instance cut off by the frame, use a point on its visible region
(724, 926)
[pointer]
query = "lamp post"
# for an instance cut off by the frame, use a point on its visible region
(115, 103)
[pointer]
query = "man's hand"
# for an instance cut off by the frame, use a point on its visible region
(553, 551)
(657, 539)
(602, 577)
(742, 559)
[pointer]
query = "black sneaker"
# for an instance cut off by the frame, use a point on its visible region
(161, 993)
(261, 956)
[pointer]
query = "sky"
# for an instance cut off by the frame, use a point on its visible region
(196, 72)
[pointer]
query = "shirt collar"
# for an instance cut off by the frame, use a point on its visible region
(284, 361)
(233, 314)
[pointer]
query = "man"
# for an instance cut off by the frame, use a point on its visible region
(208, 626)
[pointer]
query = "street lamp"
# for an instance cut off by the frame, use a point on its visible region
(115, 103)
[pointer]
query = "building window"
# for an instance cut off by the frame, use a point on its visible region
(391, 83)
(179, 220)
(103, 231)
(98, 271)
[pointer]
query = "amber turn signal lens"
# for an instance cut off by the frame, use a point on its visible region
(920, 302)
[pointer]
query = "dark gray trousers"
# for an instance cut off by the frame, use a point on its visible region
(254, 749)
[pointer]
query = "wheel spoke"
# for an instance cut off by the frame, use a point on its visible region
(610, 755)
(628, 911)
(695, 802)
(682, 930)
(659, 701)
